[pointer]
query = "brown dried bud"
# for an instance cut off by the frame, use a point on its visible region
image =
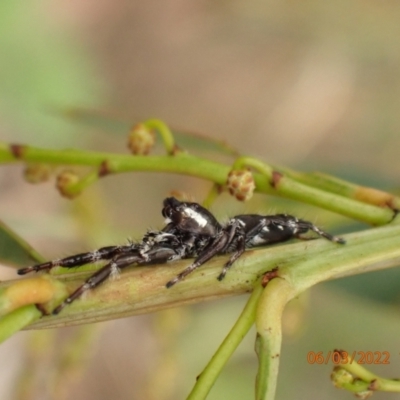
(141, 140)
(241, 184)
(37, 172)
(66, 179)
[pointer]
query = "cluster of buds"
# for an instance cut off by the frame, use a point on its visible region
(240, 184)
(65, 180)
(141, 140)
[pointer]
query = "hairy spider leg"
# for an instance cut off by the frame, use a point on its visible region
(245, 240)
(309, 226)
(104, 253)
(218, 246)
(156, 255)
(241, 242)
(241, 247)
(98, 277)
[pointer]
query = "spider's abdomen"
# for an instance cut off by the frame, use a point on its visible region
(261, 230)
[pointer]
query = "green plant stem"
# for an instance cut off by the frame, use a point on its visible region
(210, 373)
(165, 133)
(142, 290)
(342, 205)
(17, 320)
(186, 164)
(74, 189)
(36, 290)
(181, 163)
(212, 194)
(344, 188)
(358, 253)
(357, 379)
(244, 162)
(269, 335)
(285, 186)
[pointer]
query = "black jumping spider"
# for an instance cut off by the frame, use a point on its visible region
(191, 231)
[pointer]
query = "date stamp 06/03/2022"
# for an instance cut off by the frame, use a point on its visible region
(340, 357)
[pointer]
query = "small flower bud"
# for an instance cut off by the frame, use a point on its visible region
(65, 180)
(340, 376)
(241, 184)
(141, 140)
(37, 172)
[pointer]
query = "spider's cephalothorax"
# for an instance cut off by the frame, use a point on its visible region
(191, 231)
(190, 218)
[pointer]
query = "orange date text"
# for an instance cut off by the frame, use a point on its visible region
(338, 357)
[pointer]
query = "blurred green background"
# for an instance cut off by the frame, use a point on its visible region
(312, 85)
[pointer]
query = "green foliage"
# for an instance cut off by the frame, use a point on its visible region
(14, 250)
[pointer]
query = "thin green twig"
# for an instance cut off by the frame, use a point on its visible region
(210, 373)
(356, 378)
(17, 320)
(165, 133)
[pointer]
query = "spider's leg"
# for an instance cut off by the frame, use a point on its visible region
(104, 253)
(305, 225)
(100, 276)
(237, 232)
(217, 246)
(209, 252)
(158, 254)
(241, 246)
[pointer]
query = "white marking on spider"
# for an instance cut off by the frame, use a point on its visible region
(175, 257)
(96, 255)
(144, 254)
(201, 221)
(115, 271)
(237, 221)
(162, 237)
(258, 240)
(85, 292)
